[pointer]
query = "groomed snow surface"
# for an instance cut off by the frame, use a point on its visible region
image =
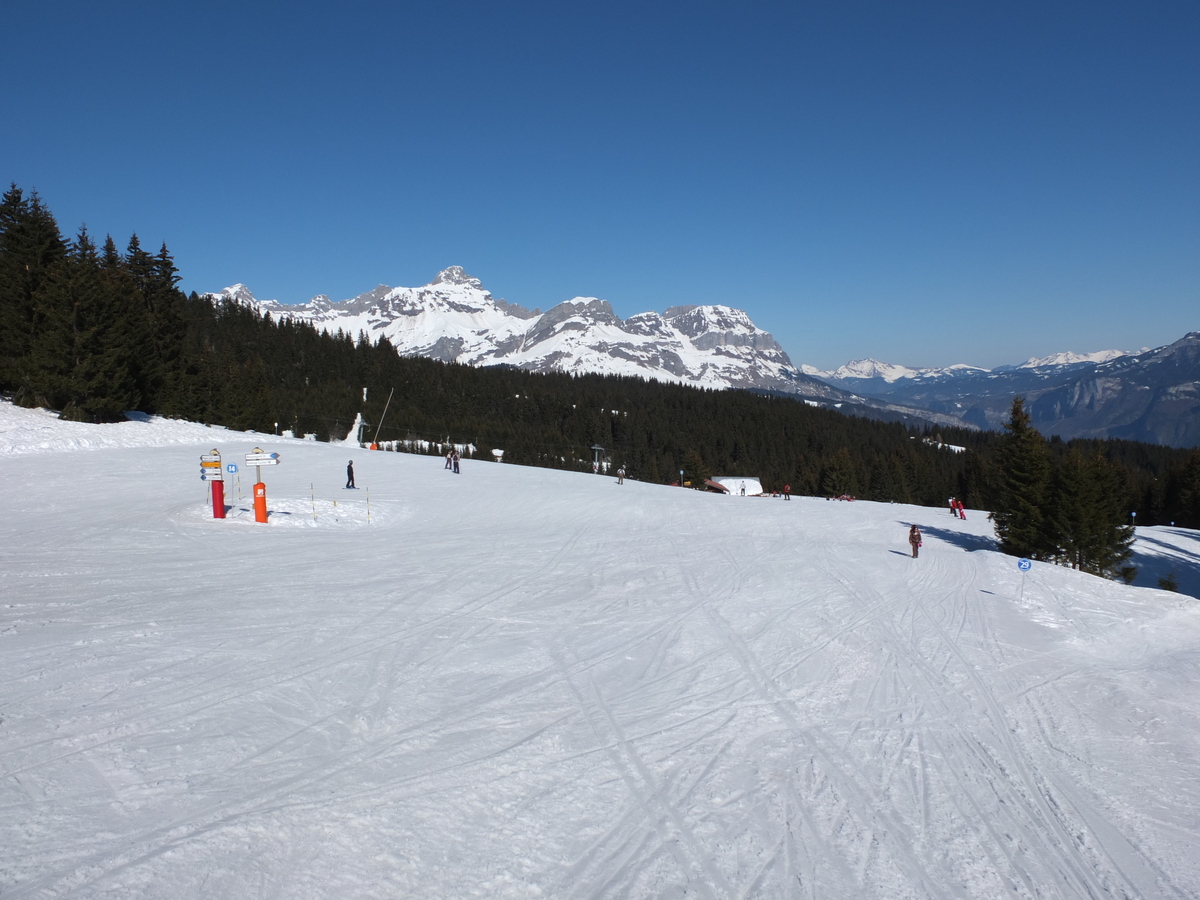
(517, 682)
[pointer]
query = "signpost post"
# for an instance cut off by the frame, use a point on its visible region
(1024, 565)
(259, 458)
(210, 470)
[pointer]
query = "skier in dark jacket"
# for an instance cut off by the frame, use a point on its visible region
(350, 474)
(914, 538)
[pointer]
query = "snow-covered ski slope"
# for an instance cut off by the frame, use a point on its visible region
(525, 683)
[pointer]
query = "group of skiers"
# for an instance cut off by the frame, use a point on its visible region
(452, 460)
(956, 509)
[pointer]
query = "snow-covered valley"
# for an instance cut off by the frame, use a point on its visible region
(518, 682)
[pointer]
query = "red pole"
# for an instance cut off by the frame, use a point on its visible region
(218, 498)
(260, 502)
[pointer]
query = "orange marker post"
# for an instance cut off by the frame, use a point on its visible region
(259, 458)
(260, 502)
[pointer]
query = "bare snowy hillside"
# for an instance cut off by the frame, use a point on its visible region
(520, 682)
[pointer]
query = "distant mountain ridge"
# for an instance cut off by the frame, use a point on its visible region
(859, 370)
(856, 371)
(454, 319)
(1147, 395)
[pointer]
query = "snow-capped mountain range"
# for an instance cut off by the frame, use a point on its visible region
(866, 369)
(454, 319)
(889, 372)
(1145, 395)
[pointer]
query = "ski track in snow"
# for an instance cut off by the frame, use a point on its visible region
(525, 683)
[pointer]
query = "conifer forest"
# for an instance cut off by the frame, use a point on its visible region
(91, 331)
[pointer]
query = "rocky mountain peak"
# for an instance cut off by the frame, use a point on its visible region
(457, 275)
(238, 293)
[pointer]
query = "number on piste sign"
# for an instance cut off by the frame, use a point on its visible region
(231, 468)
(1024, 565)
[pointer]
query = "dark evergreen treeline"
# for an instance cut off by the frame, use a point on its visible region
(1066, 508)
(93, 331)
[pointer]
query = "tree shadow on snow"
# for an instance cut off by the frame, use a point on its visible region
(969, 542)
(1185, 533)
(1153, 566)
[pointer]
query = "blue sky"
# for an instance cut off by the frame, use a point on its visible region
(925, 183)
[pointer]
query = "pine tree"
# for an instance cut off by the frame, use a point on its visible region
(106, 342)
(45, 368)
(1110, 540)
(1184, 509)
(1020, 512)
(30, 247)
(80, 359)
(1068, 513)
(110, 259)
(839, 477)
(695, 469)
(140, 265)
